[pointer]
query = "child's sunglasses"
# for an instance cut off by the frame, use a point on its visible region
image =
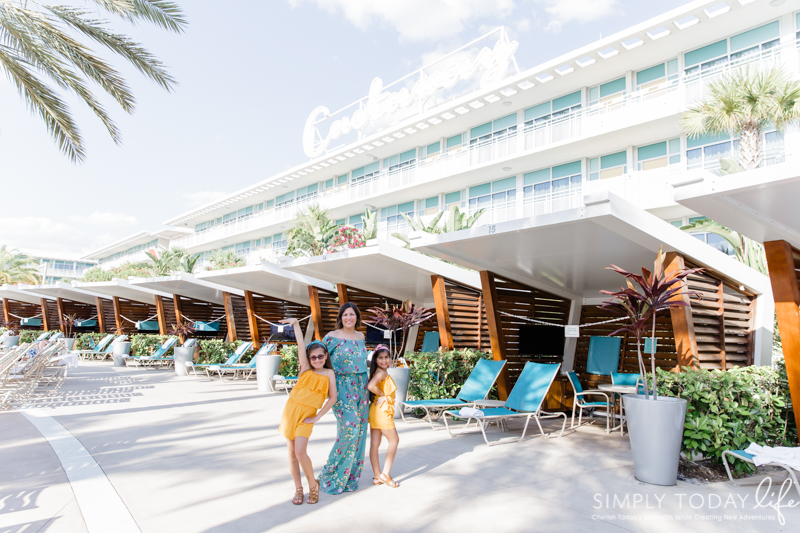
(317, 357)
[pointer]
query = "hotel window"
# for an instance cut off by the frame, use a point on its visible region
(365, 173)
(341, 222)
(498, 194)
(267, 243)
(539, 115)
(501, 128)
(307, 193)
(454, 198)
(219, 221)
(558, 181)
(455, 143)
(658, 155)
(230, 218)
(608, 166)
(284, 200)
(245, 212)
(327, 185)
(746, 46)
(257, 244)
(260, 207)
(392, 217)
(429, 206)
(432, 150)
(655, 77)
(341, 181)
(399, 161)
(356, 222)
(243, 248)
(200, 228)
(270, 204)
(607, 92)
(279, 242)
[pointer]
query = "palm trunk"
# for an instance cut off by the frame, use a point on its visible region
(750, 147)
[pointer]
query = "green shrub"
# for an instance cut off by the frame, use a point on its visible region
(290, 363)
(29, 335)
(82, 340)
(452, 369)
(217, 351)
(729, 410)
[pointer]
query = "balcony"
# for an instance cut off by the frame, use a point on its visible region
(135, 257)
(667, 99)
(47, 270)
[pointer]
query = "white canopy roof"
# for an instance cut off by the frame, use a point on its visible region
(267, 279)
(186, 285)
(566, 252)
(121, 288)
(384, 269)
(761, 204)
(21, 295)
(65, 291)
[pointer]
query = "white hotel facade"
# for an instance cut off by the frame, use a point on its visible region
(540, 146)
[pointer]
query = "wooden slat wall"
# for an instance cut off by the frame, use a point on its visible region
(239, 309)
(25, 310)
(51, 308)
(467, 317)
(723, 322)
(80, 310)
(108, 314)
(666, 355)
(329, 309)
(365, 300)
(204, 312)
(273, 309)
(521, 300)
(135, 311)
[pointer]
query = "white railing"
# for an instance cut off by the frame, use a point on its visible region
(637, 107)
(71, 272)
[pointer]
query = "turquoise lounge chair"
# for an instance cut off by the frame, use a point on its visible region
(477, 387)
(232, 358)
(430, 342)
(580, 403)
(98, 349)
(158, 358)
(245, 370)
(748, 458)
(525, 401)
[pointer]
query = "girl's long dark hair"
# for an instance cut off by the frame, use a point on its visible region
(316, 345)
(345, 307)
(373, 367)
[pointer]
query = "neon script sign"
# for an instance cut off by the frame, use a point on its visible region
(379, 103)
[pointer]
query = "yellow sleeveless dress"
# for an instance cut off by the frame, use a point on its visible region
(383, 417)
(304, 401)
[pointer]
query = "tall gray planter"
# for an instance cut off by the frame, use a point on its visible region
(11, 340)
(181, 356)
(120, 350)
(401, 377)
(70, 343)
(656, 433)
(266, 367)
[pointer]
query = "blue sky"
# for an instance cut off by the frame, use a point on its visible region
(249, 73)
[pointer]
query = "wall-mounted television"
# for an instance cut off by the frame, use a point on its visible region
(376, 336)
(541, 340)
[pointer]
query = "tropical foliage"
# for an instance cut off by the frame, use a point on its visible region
(454, 220)
(222, 259)
(640, 304)
(171, 261)
(743, 103)
(370, 222)
(124, 271)
(312, 234)
(42, 41)
(441, 374)
(16, 267)
(347, 238)
(402, 317)
(748, 251)
(68, 323)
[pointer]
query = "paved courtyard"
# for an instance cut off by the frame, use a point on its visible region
(190, 455)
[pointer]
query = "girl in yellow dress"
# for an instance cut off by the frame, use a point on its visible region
(381, 416)
(316, 383)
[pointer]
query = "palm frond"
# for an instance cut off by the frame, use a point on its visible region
(166, 15)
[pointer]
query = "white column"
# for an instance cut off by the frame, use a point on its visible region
(571, 343)
(763, 326)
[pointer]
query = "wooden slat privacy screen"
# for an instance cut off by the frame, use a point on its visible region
(80, 310)
(239, 310)
(467, 313)
(134, 311)
(329, 310)
(271, 309)
(364, 300)
(521, 300)
(666, 356)
(198, 310)
(108, 315)
(50, 309)
(26, 310)
(723, 321)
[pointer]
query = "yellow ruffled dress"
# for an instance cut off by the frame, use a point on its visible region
(383, 417)
(306, 398)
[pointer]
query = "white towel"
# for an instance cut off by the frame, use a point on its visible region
(277, 377)
(467, 412)
(779, 454)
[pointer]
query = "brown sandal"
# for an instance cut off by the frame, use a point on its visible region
(298, 496)
(313, 494)
(377, 481)
(387, 479)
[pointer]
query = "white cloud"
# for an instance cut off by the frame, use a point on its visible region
(416, 20)
(107, 220)
(51, 235)
(563, 11)
(198, 198)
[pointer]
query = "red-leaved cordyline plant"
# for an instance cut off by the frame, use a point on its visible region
(402, 317)
(641, 304)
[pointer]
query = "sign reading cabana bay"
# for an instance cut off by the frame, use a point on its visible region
(380, 102)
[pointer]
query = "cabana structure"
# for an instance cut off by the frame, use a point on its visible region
(762, 205)
(88, 307)
(210, 307)
(30, 310)
(383, 272)
(131, 309)
(269, 294)
(551, 267)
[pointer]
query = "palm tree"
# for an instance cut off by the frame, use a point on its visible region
(222, 259)
(312, 234)
(742, 103)
(16, 267)
(41, 40)
(748, 251)
(172, 260)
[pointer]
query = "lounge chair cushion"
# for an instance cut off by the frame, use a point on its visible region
(445, 402)
(603, 357)
(480, 380)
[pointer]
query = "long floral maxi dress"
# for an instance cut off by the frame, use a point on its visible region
(346, 460)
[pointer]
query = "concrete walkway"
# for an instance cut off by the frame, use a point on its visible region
(189, 455)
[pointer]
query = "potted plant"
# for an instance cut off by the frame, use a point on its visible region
(120, 349)
(655, 423)
(182, 354)
(68, 323)
(392, 318)
(12, 339)
(268, 366)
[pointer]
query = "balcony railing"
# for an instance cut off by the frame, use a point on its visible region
(135, 257)
(641, 106)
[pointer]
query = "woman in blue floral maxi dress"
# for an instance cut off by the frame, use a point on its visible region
(348, 353)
